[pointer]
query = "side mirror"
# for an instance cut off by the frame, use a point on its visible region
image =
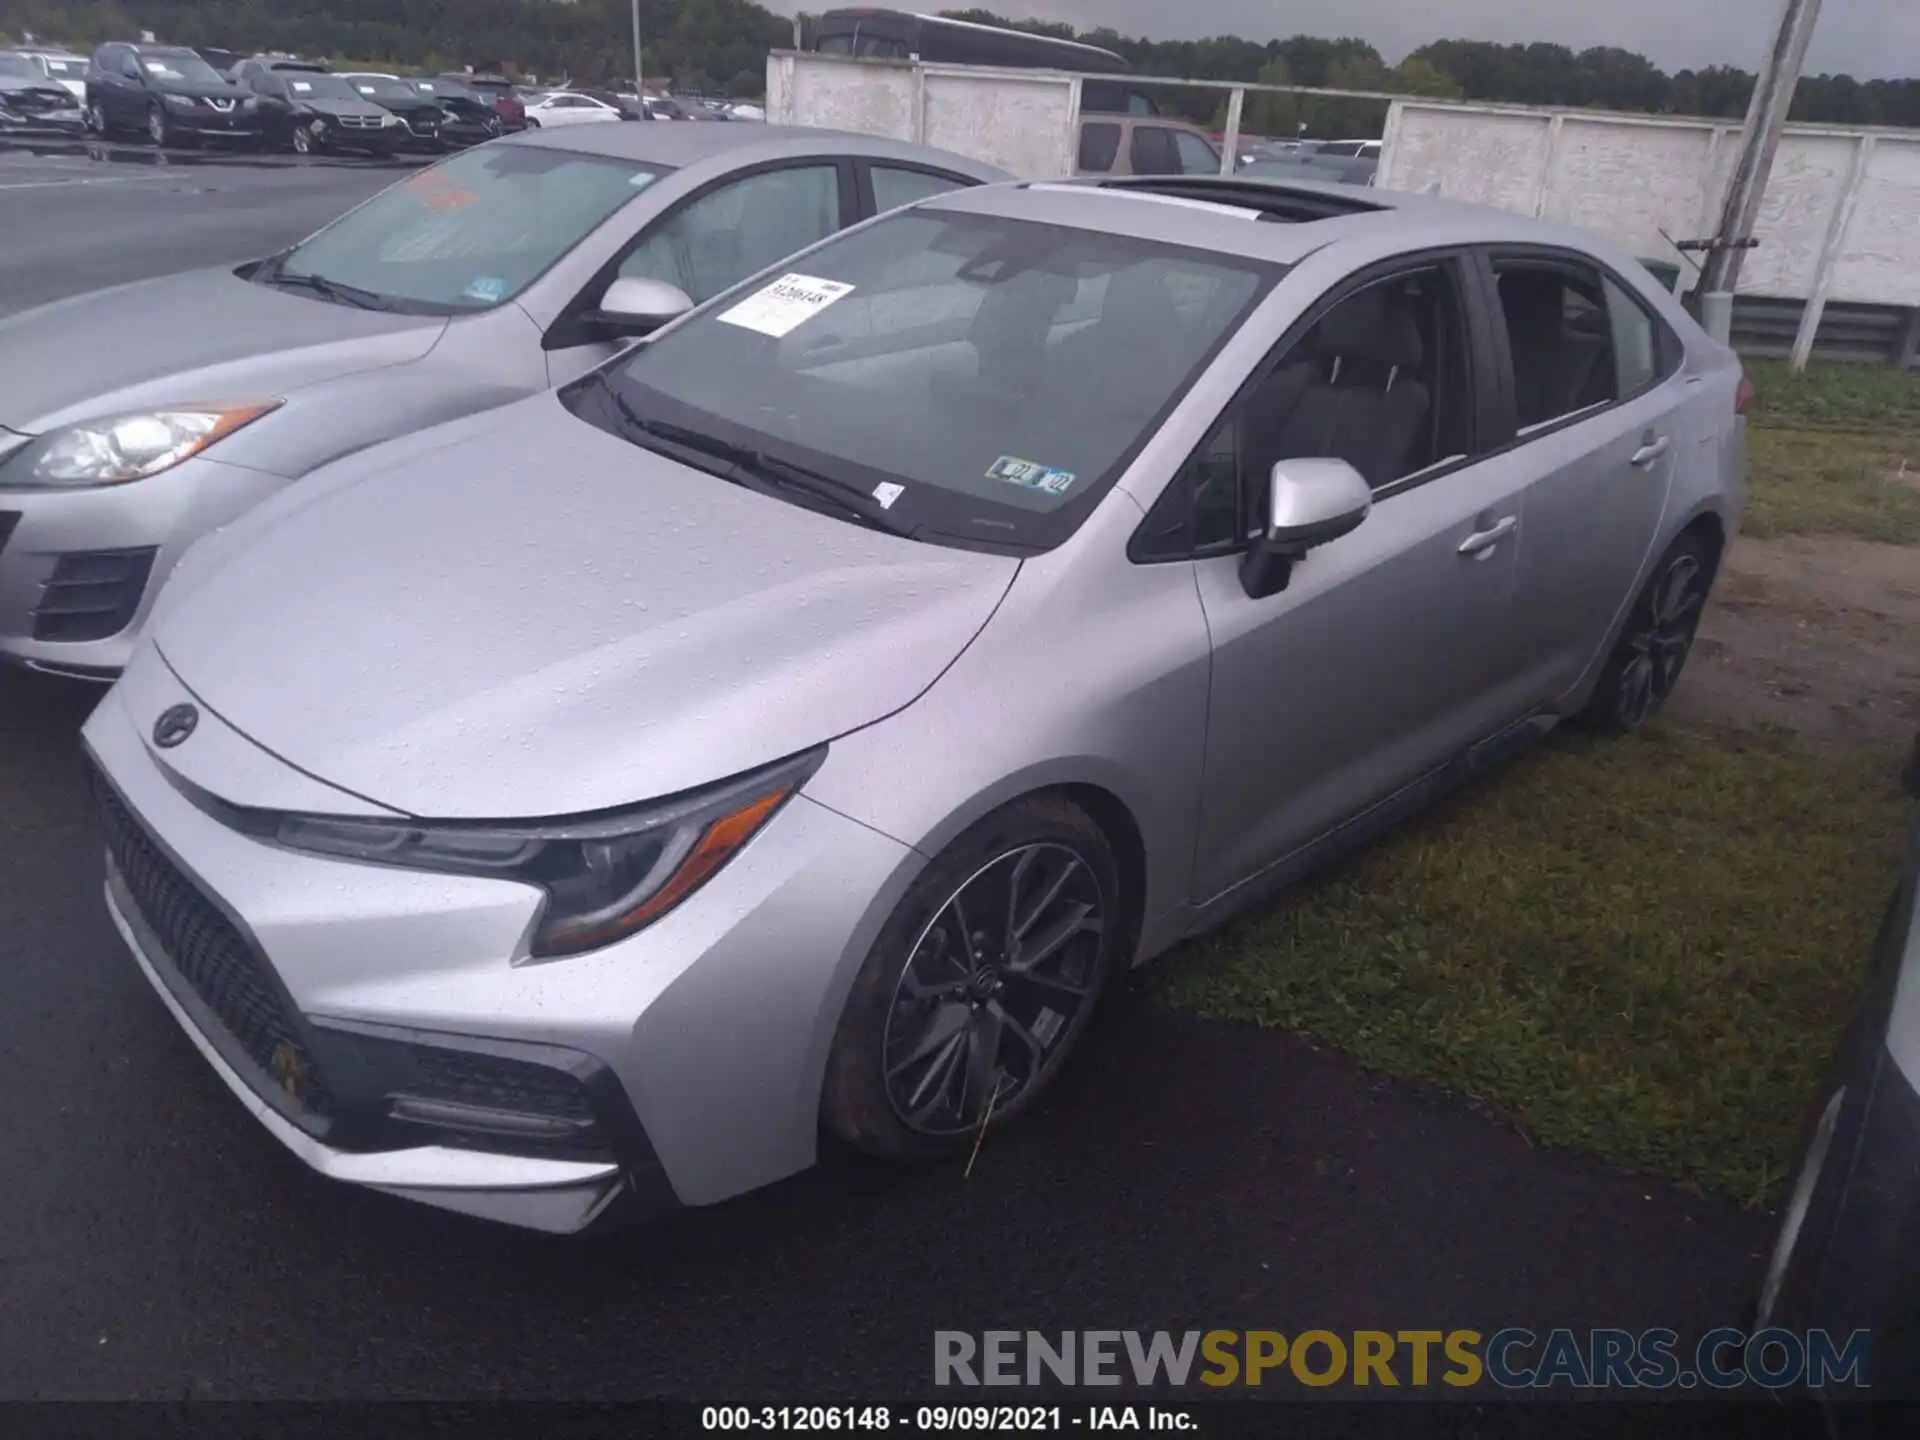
(1309, 502)
(635, 306)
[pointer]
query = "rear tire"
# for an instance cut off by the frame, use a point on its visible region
(978, 986)
(1645, 666)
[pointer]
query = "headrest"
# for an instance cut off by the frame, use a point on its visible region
(1375, 326)
(1137, 304)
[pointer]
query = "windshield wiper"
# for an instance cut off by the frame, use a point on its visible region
(758, 470)
(331, 289)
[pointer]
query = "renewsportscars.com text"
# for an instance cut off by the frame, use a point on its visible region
(1512, 1359)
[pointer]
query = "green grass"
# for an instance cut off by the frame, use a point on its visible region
(1643, 948)
(1823, 446)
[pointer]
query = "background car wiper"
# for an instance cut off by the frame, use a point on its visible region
(756, 468)
(332, 289)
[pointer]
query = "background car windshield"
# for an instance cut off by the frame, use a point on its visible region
(985, 380)
(19, 65)
(384, 89)
(304, 85)
(474, 230)
(448, 90)
(66, 69)
(181, 67)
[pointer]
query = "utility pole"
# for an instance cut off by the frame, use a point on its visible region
(1766, 117)
(640, 81)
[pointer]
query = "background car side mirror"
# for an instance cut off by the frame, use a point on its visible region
(637, 306)
(1309, 502)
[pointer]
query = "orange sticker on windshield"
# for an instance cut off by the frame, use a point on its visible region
(441, 193)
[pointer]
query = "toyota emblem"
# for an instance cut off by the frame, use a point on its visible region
(175, 724)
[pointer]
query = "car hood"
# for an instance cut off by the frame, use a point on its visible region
(333, 105)
(199, 89)
(539, 619)
(203, 336)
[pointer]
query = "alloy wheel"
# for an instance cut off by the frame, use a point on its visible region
(96, 119)
(157, 126)
(302, 141)
(1659, 648)
(994, 988)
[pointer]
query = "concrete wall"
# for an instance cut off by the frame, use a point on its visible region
(1024, 121)
(1841, 221)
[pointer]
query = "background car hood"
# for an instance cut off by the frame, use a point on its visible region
(330, 105)
(203, 336)
(540, 619)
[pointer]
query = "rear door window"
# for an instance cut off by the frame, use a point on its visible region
(1560, 336)
(1197, 157)
(1153, 151)
(1099, 147)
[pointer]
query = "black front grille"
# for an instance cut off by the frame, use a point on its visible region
(92, 594)
(210, 954)
(8, 519)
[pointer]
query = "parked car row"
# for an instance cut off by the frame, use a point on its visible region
(174, 95)
(676, 641)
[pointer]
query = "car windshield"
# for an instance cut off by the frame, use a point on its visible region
(447, 90)
(981, 381)
(469, 233)
(377, 89)
(19, 65)
(313, 85)
(64, 68)
(184, 66)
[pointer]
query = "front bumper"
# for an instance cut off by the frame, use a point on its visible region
(701, 1041)
(79, 569)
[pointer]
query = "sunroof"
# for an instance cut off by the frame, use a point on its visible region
(1269, 200)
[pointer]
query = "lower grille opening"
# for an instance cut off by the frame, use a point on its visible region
(224, 971)
(92, 594)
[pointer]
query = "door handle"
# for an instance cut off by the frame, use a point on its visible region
(1651, 451)
(1481, 541)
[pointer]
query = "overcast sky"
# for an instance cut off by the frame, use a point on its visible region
(1867, 38)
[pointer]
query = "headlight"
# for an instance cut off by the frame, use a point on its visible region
(119, 448)
(180, 102)
(319, 124)
(250, 103)
(386, 120)
(606, 877)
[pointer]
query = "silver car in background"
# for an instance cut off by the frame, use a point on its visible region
(793, 725)
(134, 420)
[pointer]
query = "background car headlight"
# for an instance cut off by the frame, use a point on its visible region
(119, 448)
(606, 877)
(180, 102)
(388, 120)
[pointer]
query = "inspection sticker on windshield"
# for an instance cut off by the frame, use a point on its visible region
(485, 288)
(1029, 476)
(786, 304)
(886, 492)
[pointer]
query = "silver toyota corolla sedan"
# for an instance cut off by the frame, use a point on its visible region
(134, 420)
(794, 723)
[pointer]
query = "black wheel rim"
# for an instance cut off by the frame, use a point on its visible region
(1659, 647)
(997, 984)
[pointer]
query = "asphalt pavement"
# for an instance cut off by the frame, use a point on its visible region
(155, 1243)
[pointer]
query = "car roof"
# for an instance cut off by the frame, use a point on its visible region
(1212, 213)
(730, 146)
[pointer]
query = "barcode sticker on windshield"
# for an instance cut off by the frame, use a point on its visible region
(786, 304)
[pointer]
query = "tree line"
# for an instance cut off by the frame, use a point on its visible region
(712, 45)
(1605, 78)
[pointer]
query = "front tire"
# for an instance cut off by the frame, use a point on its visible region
(978, 986)
(1645, 666)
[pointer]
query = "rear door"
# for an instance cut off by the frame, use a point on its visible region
(1596, 397)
